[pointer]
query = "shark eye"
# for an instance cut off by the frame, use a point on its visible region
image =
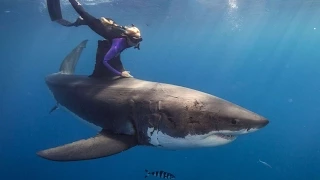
(234, 121)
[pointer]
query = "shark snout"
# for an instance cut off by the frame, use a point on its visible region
(255, 124)
(247, 121)
(262, 122)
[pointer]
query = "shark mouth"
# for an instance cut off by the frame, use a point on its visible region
(226, 136)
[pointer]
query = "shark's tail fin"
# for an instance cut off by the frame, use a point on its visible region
(70, 61)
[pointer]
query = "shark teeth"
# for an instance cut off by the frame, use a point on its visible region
(226, 136)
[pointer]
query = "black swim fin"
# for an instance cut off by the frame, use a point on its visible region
(54, 9)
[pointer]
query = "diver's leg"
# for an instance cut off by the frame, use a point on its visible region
(55, 14)
(77, 23)
(94, 23)
(80, 10)
(64, 22)
(84, 14)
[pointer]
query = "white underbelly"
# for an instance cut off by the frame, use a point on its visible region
(158, 138)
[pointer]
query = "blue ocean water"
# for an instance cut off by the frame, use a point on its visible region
(262, 55)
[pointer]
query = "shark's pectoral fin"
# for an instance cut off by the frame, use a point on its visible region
(102, 145)
(54, 108)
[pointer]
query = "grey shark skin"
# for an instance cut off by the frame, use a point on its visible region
(136, 112)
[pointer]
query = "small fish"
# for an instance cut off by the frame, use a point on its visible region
(160, 174)
(264, 163)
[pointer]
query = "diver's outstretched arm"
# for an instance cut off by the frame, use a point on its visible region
(118, 45)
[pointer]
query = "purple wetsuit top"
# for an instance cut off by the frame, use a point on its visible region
(118, 45)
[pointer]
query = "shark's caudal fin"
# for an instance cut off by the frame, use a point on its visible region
(70, 61)
(102, 145)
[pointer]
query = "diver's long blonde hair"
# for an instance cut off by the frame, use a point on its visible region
(106, 21)
(131, 31)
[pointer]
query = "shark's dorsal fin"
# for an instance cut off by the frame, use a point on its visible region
(70, 61)
(100, 70)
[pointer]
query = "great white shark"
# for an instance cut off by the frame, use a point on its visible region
(134, 112)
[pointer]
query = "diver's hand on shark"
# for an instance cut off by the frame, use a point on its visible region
(126, 74)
